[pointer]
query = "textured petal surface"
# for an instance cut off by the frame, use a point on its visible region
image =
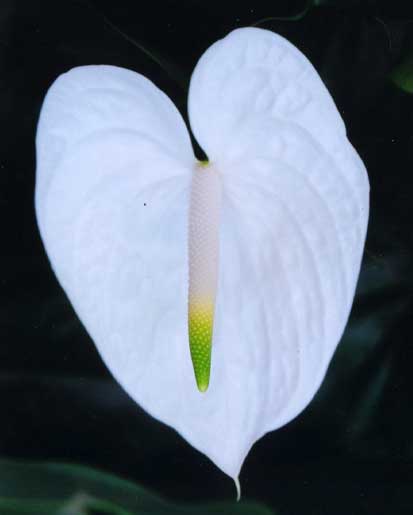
(114, 173)
(112, 199)
(293, 225)
(114, 164)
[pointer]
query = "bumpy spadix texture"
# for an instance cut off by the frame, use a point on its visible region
(203, 241)
(114, 173)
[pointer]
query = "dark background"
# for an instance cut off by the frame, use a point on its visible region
(351, 450)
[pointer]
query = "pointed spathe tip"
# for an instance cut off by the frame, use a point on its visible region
(238, 487)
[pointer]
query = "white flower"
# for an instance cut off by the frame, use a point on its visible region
(268, 235)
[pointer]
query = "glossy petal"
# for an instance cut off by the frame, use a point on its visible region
(293, 226)
(112, 199)
(114, 165)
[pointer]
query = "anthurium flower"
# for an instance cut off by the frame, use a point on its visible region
(216, 292)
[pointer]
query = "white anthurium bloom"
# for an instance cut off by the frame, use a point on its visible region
(215, 292)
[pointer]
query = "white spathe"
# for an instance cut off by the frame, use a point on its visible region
(114, 167)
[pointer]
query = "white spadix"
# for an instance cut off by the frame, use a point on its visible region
(248, 264)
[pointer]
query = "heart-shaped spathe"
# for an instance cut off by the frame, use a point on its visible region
(114, 171)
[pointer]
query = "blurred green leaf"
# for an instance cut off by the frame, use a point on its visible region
(340, 3)
(402, 75)
(62, 489)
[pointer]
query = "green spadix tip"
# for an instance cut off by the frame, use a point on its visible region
(201, 319)
(202, 385)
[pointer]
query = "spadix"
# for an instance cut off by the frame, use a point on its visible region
(236, 276)
(203, 243)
